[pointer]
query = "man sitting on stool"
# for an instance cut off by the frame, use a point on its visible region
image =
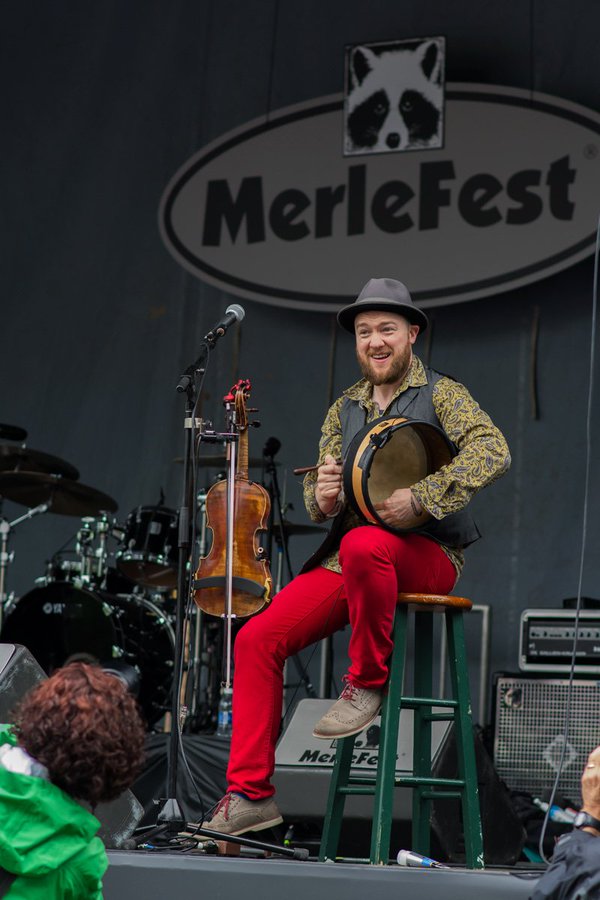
(357, 574)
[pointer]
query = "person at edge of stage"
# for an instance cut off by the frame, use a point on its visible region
(356, 575)
(574, 871)
(77, 736)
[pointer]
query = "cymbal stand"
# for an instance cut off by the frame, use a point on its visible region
(6, 557)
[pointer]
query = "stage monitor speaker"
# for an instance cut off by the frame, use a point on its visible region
(303, 764)
(529, 724)
(19, 672)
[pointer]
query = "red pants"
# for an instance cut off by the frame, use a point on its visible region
(376, 565)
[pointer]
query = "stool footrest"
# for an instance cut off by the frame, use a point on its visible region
(417, 781)
(366, 785)
(441, 795)
(415, 702)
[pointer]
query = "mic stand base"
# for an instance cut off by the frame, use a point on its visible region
(171, 816)
(169, 823)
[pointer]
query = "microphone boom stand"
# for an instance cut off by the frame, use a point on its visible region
(170, 819)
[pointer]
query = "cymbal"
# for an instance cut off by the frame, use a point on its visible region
(218, 461)
(290, 528)
(66, 497)
(23, 459)
(12, 433)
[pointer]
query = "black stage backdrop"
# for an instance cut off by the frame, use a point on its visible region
(102, 102)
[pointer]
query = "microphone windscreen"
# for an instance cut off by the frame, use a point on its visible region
(238, 311)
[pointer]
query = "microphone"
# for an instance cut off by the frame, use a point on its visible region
(415, 860)
(233, 313)
(271, 447)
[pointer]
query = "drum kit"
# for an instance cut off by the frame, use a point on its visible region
(108, 598)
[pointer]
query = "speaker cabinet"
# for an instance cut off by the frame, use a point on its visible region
(18, 673)
(529, 724)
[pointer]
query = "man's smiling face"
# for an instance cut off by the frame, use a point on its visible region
(384, 346)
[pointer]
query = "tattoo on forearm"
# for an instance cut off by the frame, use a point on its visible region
(415, 508)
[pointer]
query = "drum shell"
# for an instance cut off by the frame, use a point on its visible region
(388, 454)
(149, 554)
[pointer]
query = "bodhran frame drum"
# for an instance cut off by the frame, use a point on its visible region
(60, 622)
(388, 454)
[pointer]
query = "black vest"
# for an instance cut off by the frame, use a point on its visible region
(457, 530)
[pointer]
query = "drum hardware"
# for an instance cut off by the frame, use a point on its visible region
(90, 565)
(61, 495)
(19, 459)
(5, 557)
(59, 569)
(92, 547)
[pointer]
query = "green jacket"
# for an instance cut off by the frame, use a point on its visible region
(47, 839)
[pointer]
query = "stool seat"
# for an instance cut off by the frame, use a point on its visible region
(436, 602)
(426, 709)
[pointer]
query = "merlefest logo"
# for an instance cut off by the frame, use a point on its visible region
(394, 206)
(274, 211)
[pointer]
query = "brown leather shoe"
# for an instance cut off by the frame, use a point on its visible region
(354, 710)
(235, 815)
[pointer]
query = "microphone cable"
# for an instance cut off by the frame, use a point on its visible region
(584, 534)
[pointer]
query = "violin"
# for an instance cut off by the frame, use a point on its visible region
(252, 582)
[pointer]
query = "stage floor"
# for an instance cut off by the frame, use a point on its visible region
(156, 876)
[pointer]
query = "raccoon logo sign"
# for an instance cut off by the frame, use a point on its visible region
(394, 96)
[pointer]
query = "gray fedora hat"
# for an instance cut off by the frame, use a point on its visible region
(381, 294)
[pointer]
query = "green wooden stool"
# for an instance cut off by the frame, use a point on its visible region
(424, 786)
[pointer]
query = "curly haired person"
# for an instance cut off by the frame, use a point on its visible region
(77, 738)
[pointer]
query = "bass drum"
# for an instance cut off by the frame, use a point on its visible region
(60, 623)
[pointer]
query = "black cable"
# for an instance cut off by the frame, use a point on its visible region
(584, 529)
(272, 59)
(189, 601)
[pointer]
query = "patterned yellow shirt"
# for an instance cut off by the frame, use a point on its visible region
(483, 453)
